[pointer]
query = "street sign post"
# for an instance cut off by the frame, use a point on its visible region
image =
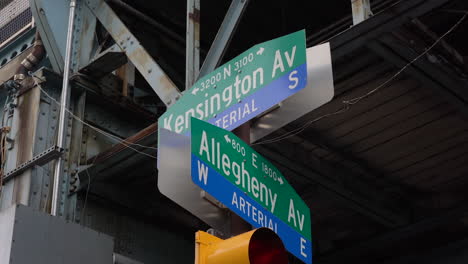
(249, 185)
(174, 181)
(244, 87)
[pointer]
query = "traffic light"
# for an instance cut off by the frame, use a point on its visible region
(259, 246)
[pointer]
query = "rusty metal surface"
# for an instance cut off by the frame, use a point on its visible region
(405, 146)
(39, 160)
(9, 69)
(106, 62)
(148, 133)
(105, 93)
(50, 18)
(28, 111)
(45, 139)
(192, 50)
(76, 139)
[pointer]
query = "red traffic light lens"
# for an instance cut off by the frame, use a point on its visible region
(266, 247)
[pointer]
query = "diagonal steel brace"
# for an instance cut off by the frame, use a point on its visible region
(146, 65)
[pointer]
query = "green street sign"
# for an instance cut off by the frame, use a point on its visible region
(249, 185)
(244, 87)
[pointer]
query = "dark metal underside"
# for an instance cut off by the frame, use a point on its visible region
(390, 170)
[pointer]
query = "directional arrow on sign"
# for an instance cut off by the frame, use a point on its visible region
(271, 72)
(236, 175)
(231, 171)
(195, 91)
(280, 180)
(260, 51)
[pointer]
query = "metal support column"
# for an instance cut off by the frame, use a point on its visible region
(212, 60)
(64, 98)
(222, 39)
(361, 10)
(192, 57)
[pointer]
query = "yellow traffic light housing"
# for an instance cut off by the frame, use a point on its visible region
(259, 246)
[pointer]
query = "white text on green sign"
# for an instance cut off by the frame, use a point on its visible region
(244, 87)
(251, 173)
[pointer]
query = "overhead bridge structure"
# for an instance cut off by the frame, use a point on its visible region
(383, 166)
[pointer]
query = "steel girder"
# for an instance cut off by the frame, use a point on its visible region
(223, 37)
(399, 13)
(136, 53)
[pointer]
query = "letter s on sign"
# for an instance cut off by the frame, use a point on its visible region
(293, 78)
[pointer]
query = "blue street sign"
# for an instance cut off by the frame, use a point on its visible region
(251, 211)
(244, 87)
(248, 184)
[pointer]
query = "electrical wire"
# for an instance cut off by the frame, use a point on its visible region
(119, 140)
(357, 99)
(93, 127)
(87, 190)
(347, 104)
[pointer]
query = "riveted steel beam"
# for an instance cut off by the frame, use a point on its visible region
(192, 57)
(39, 160)
(105, 62)
(136, 53)
(222, 39)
